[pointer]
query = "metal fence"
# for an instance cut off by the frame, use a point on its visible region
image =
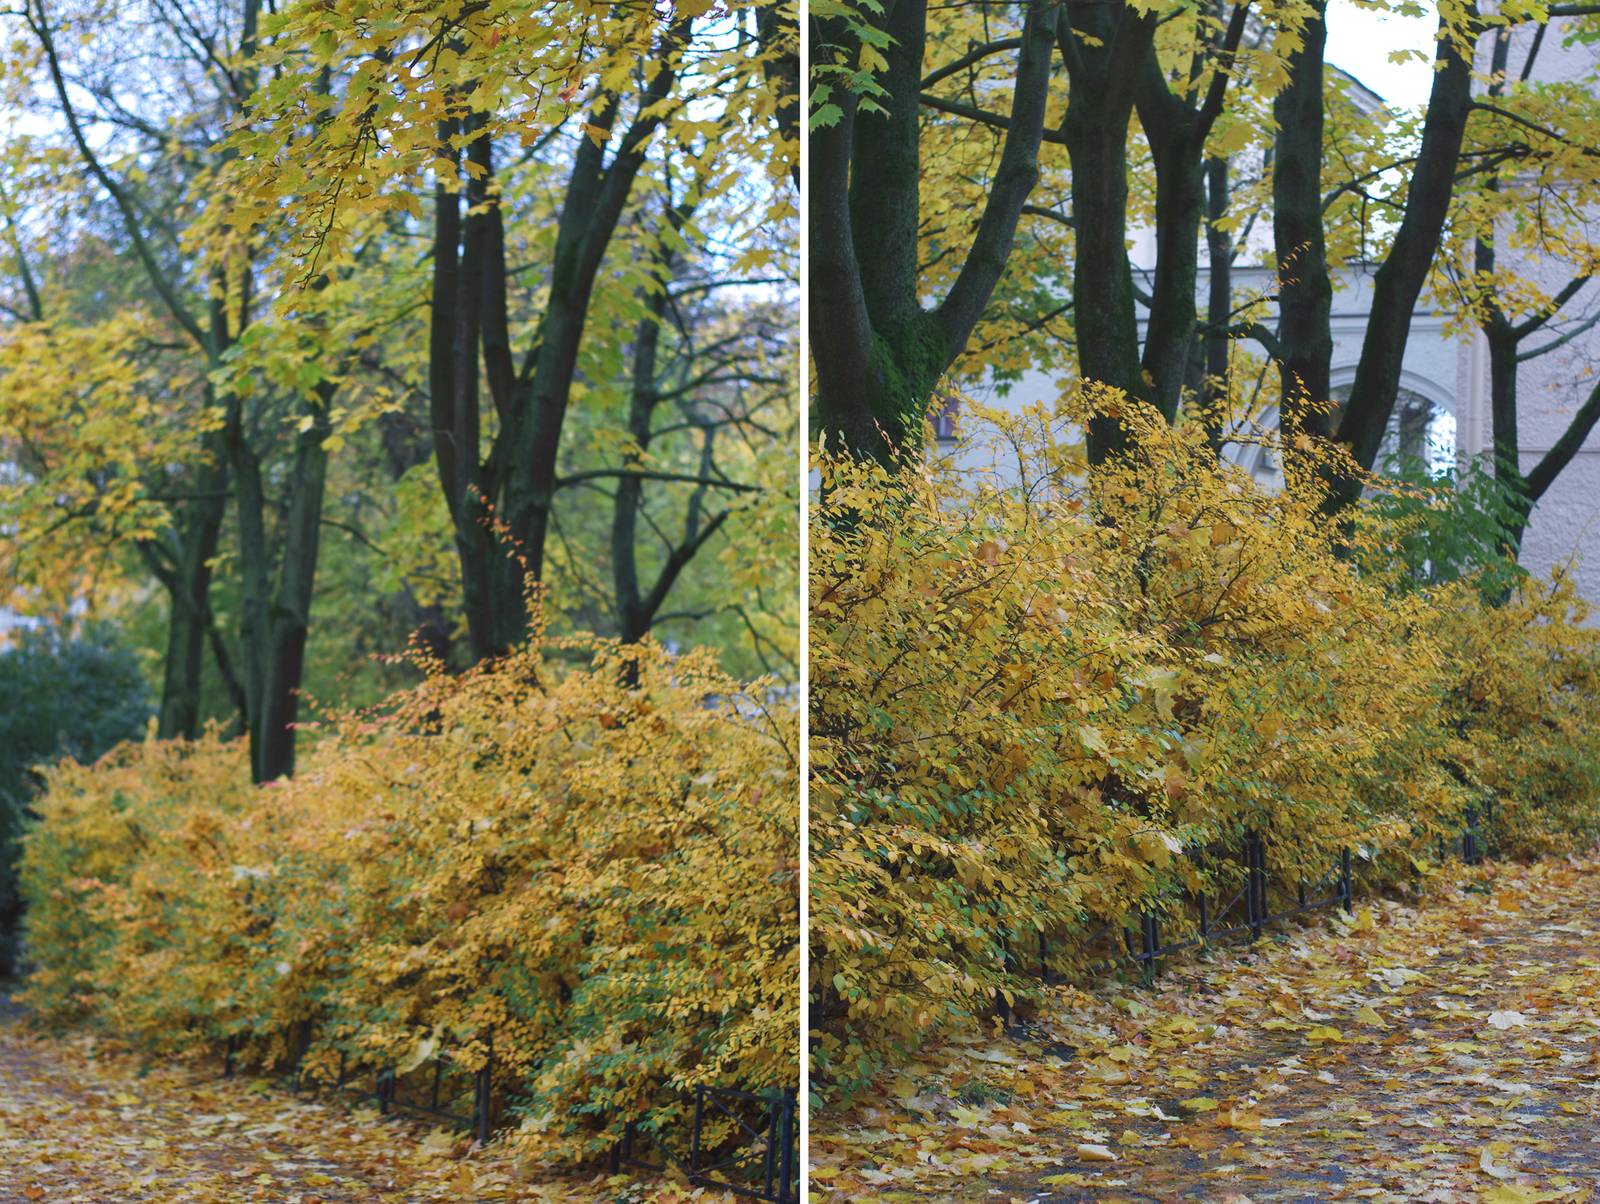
(762, 1160)
(764, 1151)
(1246, 910)
(386, 1084)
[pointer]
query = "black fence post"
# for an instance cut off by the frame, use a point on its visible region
(1205, 923)
(1469, 839)
(484, 1081)
(1255, 885)
(694, 1146)
(786, 1164)
(769, 1159)
(300, 1054)
(1346, 886)
(227, 1059)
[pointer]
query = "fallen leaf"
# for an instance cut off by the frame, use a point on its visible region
(1487, 1166)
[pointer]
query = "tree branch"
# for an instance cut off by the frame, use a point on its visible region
(41, 30)
(1544, 315)
(1054, 215)
(983, 116)
(639, 474)
(974, 56)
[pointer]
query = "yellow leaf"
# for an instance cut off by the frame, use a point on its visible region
(1095, 1153)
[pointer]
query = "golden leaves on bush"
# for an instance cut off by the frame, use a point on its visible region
(513, 859)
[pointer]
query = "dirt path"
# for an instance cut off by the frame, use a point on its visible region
(1443, 1053)
(86, 1124)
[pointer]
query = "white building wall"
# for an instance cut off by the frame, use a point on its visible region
(1565, 525)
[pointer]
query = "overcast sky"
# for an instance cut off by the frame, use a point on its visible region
(1360, 42)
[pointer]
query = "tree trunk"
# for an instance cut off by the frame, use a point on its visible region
(1215, 391)
(1398, 283)
(1176, 129)
(596, 196)
(475, 542)
(290, 617)
(1100, 103)
(780, 37)
(1305, 291)
(878, 354)
(189, 589)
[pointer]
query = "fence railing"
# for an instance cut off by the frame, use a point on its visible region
(1246, 910)
(386, 1084)
(767, 1151)
(764, 1162)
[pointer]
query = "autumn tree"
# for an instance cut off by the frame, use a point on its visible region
(1541, 217)
(257, 180)
(878, 352)
(606, 90)
(150, 142)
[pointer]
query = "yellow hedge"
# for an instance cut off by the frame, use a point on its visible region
(1028, 696)
(596, 879)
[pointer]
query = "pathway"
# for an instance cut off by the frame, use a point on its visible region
(1447, 1052)
(84, 1123)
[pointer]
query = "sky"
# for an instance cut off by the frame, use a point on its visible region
(1360, 42)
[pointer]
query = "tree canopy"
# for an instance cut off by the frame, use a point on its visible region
(331, 327)
(1032, 140)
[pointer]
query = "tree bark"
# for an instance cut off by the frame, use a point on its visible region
(878, 353)
(1176, 129)
(1398, 283)
(1104, 79)
(289, 620)
(1305, 289)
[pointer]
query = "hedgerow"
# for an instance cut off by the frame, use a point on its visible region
(592, 874)
(1035, 697)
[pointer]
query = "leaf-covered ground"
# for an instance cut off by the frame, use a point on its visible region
(82, 1122)
(1446, 1050)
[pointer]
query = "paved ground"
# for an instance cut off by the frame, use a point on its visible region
(1444, 1051)
(84, 1122)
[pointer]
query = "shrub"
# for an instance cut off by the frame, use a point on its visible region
(595, 880)
(1029, 695)
(58, 698)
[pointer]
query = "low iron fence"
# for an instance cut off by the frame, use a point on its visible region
(386, 1084)
(1246, 910)
(762, 1159)
(764, 1150)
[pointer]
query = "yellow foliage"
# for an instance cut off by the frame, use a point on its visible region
(1029, 696)
(596, 881)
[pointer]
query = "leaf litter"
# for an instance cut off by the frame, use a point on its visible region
(84, 1121)
(1443, 1049)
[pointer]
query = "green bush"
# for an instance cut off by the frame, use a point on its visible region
(58, 698)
